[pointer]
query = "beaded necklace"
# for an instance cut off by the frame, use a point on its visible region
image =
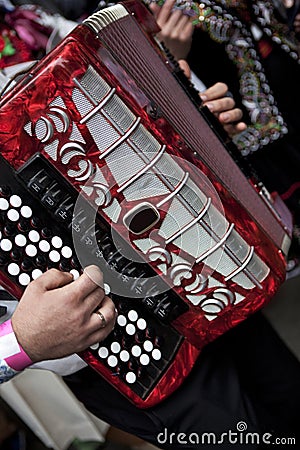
(221, 20)
(263, 13)
(224, 27)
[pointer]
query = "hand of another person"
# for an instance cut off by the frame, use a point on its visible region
(176, 28)
(223, 107)
(297, 24)
(184, 66)
(57, 316)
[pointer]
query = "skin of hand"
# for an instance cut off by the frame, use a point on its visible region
(297, 24)
(223, 107)
(176, 33)
(184, 66)
(176, 28)
(56, 315)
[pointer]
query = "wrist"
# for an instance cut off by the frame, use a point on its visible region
(10, 349)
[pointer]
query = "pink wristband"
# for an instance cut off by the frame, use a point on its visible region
(13, 354)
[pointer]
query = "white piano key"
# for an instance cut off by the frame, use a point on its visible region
(15, 201)
(57, 242)
(13, 269)
(36, 273)
(112, 361)
(75, 274)
(44, 246)
(94, 346)
(31, 250)
(107, 289)
(20, 240)
(6, 245)
(13, 215)
(130, 329)
(148, 346)
(156, 354)
(66, 252)
(141, 324)
(4, 205)
(54, 256)
(26, 212)
(115, 347)
(124, 356)
(103, 352)
(130, 377)
(144, 359)
(122, 321)
(34, 236)
(133, 315)
(136, 351)
(24, 279)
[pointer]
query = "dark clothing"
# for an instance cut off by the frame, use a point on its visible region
(278, 163)
(247, 375)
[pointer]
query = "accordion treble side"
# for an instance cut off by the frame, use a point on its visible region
(101, 140)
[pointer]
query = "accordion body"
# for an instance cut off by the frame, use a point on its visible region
(100, 141)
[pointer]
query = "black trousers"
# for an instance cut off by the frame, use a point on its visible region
(244, 392)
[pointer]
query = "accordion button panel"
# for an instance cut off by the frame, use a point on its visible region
(141, 347)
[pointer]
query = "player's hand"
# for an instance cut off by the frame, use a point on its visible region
(297, 24)
(176, 28)
(223, 107)
(57, 316)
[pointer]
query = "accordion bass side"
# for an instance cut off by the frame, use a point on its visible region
(187, 245)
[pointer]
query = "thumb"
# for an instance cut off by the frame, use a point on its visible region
(88, 282)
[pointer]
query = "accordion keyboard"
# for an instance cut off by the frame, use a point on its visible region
(36, 235)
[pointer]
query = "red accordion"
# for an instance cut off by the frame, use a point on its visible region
(187, 243)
